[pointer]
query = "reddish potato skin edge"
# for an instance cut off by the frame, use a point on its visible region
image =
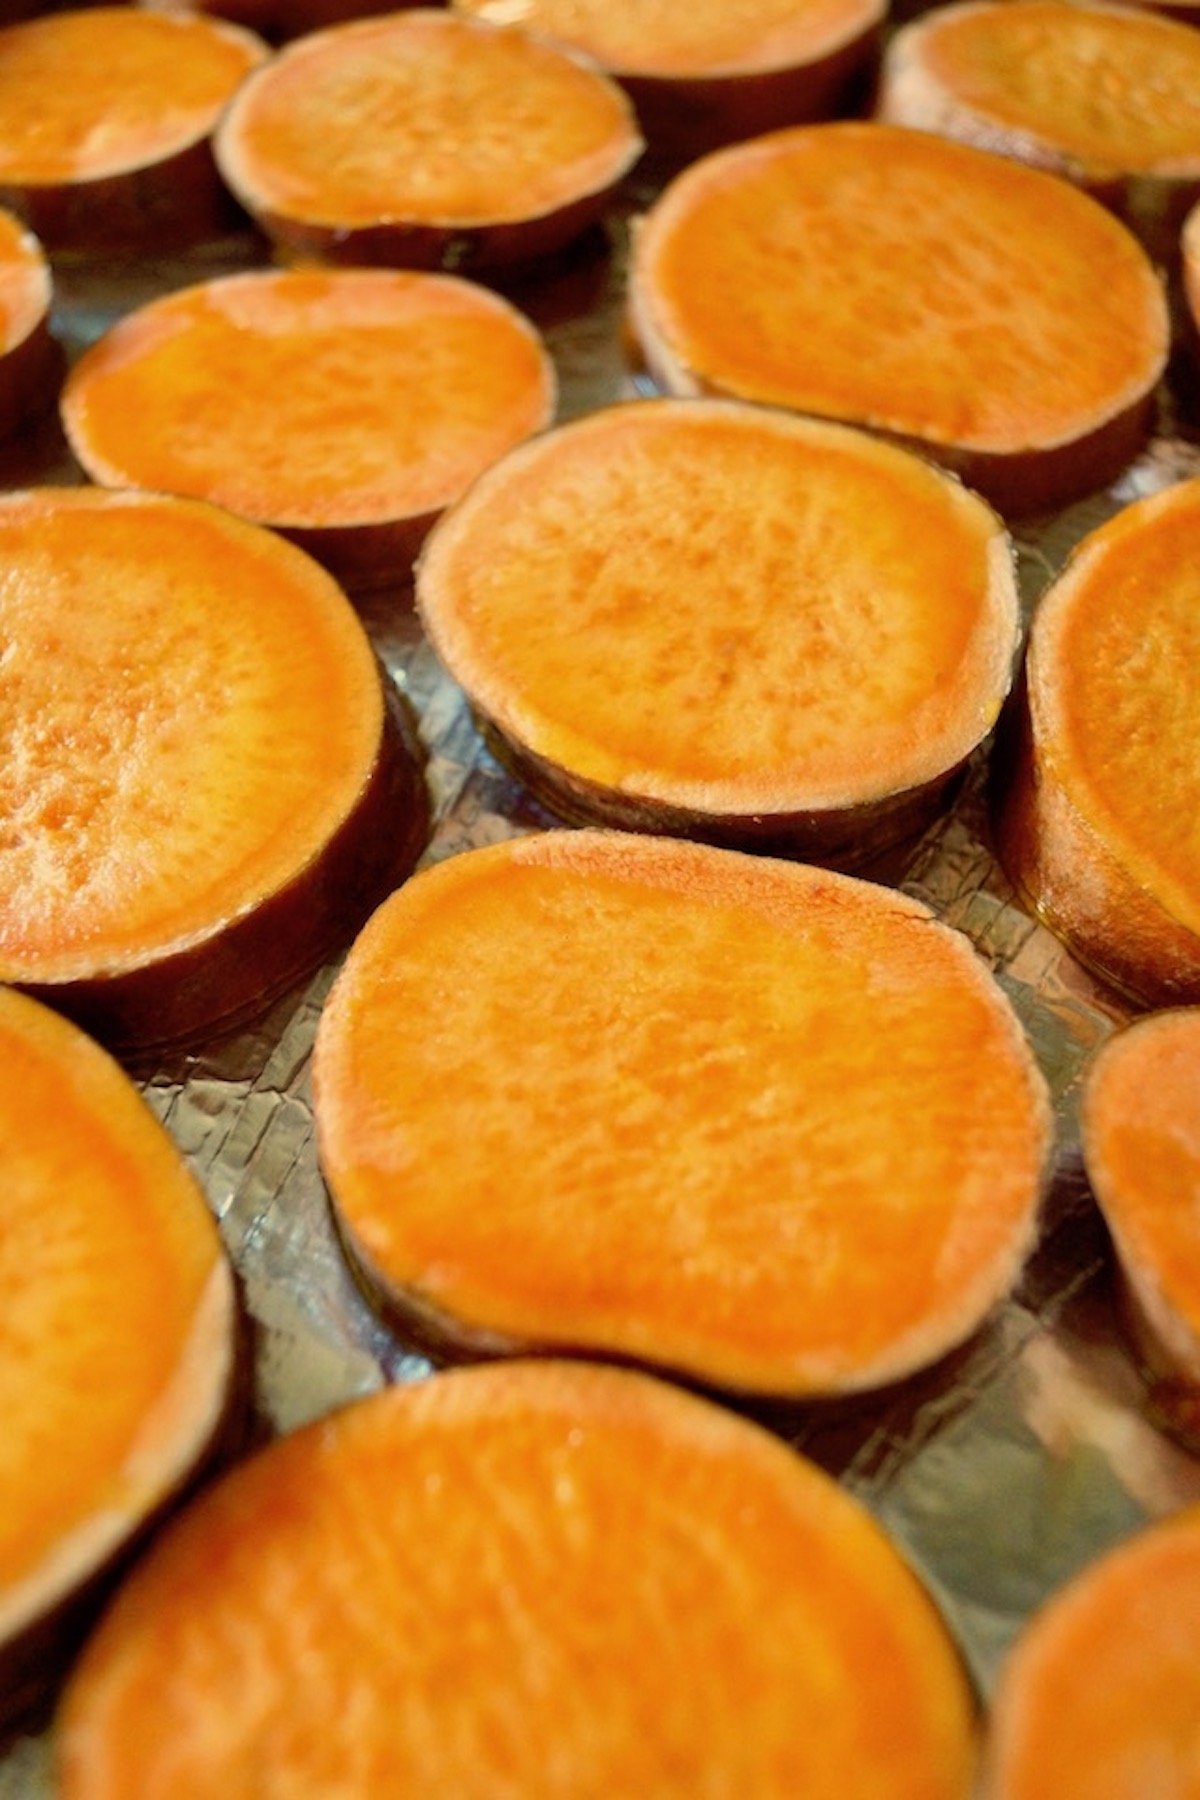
(160, 205)
(843, 838)
(237, 971)
(684, 117)
(30, 375)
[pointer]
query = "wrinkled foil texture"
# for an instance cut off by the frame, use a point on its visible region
(1001, 1471)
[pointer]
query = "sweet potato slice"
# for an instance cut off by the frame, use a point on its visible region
(30, 362)
(1141, 1148)
(708, 74)
(923, 288)
(772, 1127)
(1099, 806)
(345, 407)
(117, 1346)
(1099, 1699)
(106, 117)
(1107, 96)
(422, 140)
(704, 617)
(204, 793)
(477, 1585)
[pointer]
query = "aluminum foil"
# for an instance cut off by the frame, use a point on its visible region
(1000, 1472)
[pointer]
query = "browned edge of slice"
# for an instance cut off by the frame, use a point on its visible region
(843, 838)
(250, 961)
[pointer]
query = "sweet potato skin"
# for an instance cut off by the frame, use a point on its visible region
(249, 961)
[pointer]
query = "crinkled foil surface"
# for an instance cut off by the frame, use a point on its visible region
(1000, 1472)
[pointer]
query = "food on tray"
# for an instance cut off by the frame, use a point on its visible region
(117, 1348)
(771, 1127)
(425, 140)
(1141, 1149)
(205, 793)
(30, 363)
(707, 73)
(106, 117)
(522, 1579)
(705, 617)
(1107, 96)
(344, 407)
(1099, 807)
(1099, 1699)
(923, 288)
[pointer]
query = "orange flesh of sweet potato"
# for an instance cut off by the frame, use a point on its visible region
(519, 1579)
(795, 616)
(194, 719)
(1100, 90)
(1101, 827)
(772, 1127)
(921, 287)
(1100, 1698)
(117, 1334)
(250, 391)
(426, 122)
(1141, 1147)
(98, 92)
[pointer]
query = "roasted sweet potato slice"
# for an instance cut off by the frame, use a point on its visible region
(918, 286)
(345, 407)
(106, 117)
(708, 74)
(1100, 1697)
(30, 362)
(477, 1585)
(1107, 96)
(204, 793)
(705, 617)
(772, 1127)
(1141, 1148)
(117, 1347)
(423, 140)
(1099, 806)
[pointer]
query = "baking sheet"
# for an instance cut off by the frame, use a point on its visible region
(1000, 1472)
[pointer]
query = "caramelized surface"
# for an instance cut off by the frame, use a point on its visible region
(1101, 1698)
(1118, 89)
(311, 399)
(107, 1256)
(190, 709)
(24, 283)
(769, 1125)
(1142, 1150)
(791, 614)
(91, 93)
(1115, 688)
(884, 276)
(476, 1586)
(424, 117)
(708, 37)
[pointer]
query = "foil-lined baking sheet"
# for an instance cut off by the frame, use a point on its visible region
(1000, 1472)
